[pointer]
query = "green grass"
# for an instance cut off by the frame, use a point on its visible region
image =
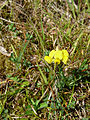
(30, 88)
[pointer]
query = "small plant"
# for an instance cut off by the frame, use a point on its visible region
(17, 58)
(62, 82)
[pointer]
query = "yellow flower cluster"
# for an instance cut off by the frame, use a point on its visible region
(56, 56)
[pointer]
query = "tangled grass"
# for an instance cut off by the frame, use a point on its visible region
(30, 88)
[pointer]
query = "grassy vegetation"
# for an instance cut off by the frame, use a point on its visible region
(30, 88)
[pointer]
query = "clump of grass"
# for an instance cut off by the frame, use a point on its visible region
(30, 88)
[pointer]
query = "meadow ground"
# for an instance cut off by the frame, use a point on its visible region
(30, 87)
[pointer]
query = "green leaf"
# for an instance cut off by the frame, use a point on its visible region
(26, 83)
(84, 65)
(14, 50)
(43, 105)
(85, 119)
(32, 101)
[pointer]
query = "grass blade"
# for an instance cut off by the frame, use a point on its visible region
(23, 49)
(43, 76)
(75, 44)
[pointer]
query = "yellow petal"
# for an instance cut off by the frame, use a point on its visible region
(51, 54)
(65, 53)
(64, 60)
(56, 61)
(48, 59)
(58, 54)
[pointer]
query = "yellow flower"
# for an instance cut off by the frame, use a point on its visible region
(52, 53)
(48, 59)
(58, 54)
(65, 56)
(56, 61)
(64, 60)
(65, 53)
